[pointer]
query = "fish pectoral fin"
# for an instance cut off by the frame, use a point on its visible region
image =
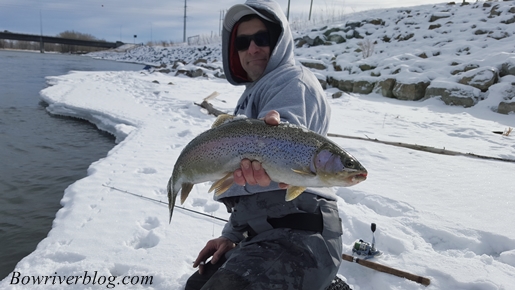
(303, 172)
(185, 191)
(222, 185)
(221, 119)
(293, 192)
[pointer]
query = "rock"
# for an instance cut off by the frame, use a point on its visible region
(509, 21)
(200, 60)
(410, 91)
(337, 95)
(363, 87)
(453, 94)
(481, 78)
(313, 64)
(365, 67)
(508, 67)
(300, 42)
(467, 68)
(494, 12)
(506, 108)
(376, 21)
(330, 31)
(337, 38)
(345, 85)
(314, 42)
(353, 25)
(385, 87)
(323, 83)
(437, 16)
(196, 73)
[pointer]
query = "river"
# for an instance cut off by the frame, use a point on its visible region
(40, 154)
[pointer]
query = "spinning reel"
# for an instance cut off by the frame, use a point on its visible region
(365, 249)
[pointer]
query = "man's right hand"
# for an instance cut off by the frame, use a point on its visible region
(216, 248)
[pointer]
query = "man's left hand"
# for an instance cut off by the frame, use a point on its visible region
(251, 172)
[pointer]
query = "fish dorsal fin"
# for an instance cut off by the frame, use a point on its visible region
(293, 192)
(185, 191)
(222, 185)
(221, 119)
(303, 172)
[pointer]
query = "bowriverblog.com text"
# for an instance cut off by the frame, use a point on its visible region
(89, 278)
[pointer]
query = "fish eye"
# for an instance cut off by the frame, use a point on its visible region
(349, 163)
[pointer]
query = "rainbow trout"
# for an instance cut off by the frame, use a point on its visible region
(290, 154)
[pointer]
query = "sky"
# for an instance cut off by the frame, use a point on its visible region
(154, 20)
(447, 218)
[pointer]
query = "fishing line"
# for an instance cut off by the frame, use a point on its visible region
(162, 202)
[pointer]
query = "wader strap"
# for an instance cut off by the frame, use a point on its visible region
(297, 221)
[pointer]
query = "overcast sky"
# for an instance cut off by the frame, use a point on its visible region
(155, 20)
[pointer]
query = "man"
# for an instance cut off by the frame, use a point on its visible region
(269, 243)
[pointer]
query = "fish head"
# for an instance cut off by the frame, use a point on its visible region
(337, 167)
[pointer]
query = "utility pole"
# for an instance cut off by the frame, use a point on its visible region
(184, 33)
(310, 8)
(221, 22)
(288, 13)
(41, 44)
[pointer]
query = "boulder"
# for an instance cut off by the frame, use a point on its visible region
(452, 93)
(385, 87)
(481, 78)
(336, 38)
(506, 107)
(410, 91)
(363, 87)
(437, 16)
(345, 85)
(508, 67)
(315, 64)
(337, 95)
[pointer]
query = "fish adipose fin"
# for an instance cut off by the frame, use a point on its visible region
(222, 185)
(185, 191)
(293, 192)
(221, 119)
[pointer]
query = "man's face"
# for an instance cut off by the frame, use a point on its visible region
(255, 58)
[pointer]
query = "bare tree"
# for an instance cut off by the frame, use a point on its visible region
(367, 47)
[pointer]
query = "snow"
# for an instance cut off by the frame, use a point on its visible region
(448, 218)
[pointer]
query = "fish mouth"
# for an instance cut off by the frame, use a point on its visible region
(357, 177)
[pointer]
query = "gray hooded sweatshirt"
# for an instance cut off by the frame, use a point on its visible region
(290, 89)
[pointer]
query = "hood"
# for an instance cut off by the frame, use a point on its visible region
(282, 54)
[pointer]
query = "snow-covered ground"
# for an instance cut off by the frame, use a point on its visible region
(448, 218)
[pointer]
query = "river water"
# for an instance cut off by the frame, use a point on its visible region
(40, 154)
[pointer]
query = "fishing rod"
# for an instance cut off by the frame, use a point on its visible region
(162, 202)
(363, 262)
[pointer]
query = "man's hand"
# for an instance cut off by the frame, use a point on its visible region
(216, 248)
(251, 172)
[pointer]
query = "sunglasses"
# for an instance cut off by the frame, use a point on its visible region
(261, 39)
